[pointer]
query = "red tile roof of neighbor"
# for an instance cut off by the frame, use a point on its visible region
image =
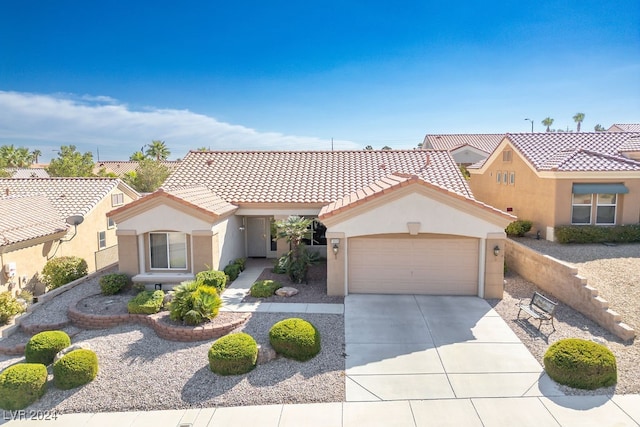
(390, 183)
(574, 151)
(309, 176)
(70, 196)
(484, 142)
(625, 127)
(27, 217)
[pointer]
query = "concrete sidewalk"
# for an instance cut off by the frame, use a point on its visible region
(566, 411)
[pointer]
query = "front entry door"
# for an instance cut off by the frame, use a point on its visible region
(256, 237)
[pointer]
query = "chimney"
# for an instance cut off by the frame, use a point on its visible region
(6, 191)
(427, 161)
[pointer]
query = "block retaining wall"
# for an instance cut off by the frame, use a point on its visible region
(563, 282)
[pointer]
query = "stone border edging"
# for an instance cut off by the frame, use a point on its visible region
(163, 330)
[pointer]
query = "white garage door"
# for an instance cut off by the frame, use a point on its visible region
(437, 266)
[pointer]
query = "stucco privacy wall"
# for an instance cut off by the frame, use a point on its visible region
(563, 282)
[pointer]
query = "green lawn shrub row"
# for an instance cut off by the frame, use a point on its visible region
(598, 233)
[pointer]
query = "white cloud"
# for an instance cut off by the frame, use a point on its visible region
(89, 122)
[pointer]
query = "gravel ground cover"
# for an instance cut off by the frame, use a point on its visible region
(315, 291)
(607, 271)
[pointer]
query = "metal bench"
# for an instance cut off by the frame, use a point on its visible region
(540, 308)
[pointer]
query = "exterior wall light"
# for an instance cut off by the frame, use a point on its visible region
(335, 245)
(496, 250)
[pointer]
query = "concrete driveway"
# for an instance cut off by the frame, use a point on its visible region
(433, 347)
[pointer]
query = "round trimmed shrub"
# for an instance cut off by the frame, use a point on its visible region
(581, 364)
(22, 384)
(74, 369)
(62, 270)
(42, 347)
(111, 284)
(215, 278)
(264, 288)
(233, 354)
(295, 338)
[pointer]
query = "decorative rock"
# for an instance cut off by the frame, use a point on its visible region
(69, 349)
(286, 291)
(167, 299)
(266, 354)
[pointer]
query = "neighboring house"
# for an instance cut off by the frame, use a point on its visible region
(466, 149)
(558, 179)
(29, 243)
(122, 168)
(28, 172)
(626, 127)
(389, 221)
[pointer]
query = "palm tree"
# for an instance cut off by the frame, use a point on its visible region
(158, 150)
(14, 157)
(578, 118)
(547, 122)
(35, 154)
(137, 156)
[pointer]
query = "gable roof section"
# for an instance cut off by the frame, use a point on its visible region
(391, 183)
(624, 127)
(28, 172)
(631, 145)
(308, 176)
(28, 217)
(122, 167)
(70, 196)
(198, 198)
(573, 151)
(483, 142)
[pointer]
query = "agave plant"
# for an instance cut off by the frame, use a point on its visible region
(194, 303)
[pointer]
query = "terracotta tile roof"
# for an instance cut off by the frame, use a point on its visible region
(309, 176)
(625, 127)
(483, 142)
(28, 172)
(574, 151)
(70, 196)
(389, 183)
(25, 218)
(125, 166)
(632, 144)
(201, 197)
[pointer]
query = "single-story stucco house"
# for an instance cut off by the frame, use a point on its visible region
(387, 221)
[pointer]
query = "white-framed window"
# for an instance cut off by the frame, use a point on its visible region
(505, 178)
(168, 250)
(581, 208)
(117, 199)
(499, 177)
(512, 178)
(606, 209)
(102, 239)
(110, 223)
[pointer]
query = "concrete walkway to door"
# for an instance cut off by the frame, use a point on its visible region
(405, 347)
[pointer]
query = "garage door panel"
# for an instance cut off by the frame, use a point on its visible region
(439, 266)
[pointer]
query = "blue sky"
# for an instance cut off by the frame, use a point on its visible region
(288, 75)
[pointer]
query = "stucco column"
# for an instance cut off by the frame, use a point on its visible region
(128, 252)
(336, 264)
(494, 265)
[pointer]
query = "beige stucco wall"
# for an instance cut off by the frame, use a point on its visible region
(128, 254)
(29, 263)
(562, 282)
(530, 197)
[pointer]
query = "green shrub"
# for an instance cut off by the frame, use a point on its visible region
(215, 278)
(233, 271)
(43, 347)
(62, 270)
(233, 354)
(295, 338)
(146, 302)
(264, 288)
(241, 262)
(280, 264)
(113, 283)
(581, 364)
(9, 307)
(21, 385)
(597, 233)
(138, 287)
(74, 369)
(194, 303)
(518, 228)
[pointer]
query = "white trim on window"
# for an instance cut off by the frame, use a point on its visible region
(499, 177)
(111, 224)
(580, 205)
(612, 203)
(512, 178)
(117, 199)
(102, 239)
(171, 251)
